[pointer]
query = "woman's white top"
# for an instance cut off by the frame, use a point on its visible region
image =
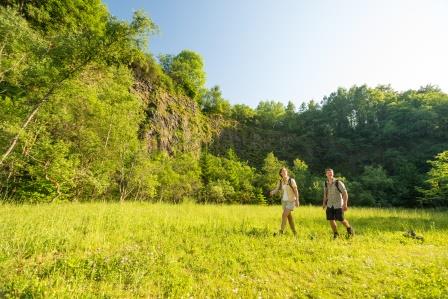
(288, 192)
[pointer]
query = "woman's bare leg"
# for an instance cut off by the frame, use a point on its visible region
(291, 224)
(284, 219)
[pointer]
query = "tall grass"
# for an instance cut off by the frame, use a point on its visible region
(160, 250)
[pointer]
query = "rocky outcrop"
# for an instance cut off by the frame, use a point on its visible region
(174, 122)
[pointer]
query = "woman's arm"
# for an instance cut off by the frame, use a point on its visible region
(296, 191)
(276, 189)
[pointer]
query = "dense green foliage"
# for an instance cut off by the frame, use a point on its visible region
(437, 193)
(187, 70)
(377, 138)
(145, 250)
(86, 113)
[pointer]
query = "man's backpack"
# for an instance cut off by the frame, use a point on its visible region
(337, 186)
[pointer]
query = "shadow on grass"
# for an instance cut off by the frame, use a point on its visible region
(394, 223)
(254, 232)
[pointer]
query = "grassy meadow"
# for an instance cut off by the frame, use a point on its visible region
(112, 250)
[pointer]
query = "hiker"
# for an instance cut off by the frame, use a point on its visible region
(335, 202)
(290, 199)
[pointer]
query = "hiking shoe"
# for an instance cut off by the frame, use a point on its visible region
(350, 232)
(279, 233)
(335, 235)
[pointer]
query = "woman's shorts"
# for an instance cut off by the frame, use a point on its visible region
(288, 205)
(335, 214)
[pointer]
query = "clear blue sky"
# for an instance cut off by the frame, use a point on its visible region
(301, 50)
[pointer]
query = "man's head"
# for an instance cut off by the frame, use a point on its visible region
(329, 173)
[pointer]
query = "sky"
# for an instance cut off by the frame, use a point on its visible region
(302, 50)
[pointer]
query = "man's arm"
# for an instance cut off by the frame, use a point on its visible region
(325, 199)
(345, 201)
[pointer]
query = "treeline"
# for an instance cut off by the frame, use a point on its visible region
(380, 140)
(88, 114)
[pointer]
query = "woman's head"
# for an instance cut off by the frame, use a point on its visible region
(283, 172)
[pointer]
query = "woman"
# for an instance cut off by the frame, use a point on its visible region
(290, 199)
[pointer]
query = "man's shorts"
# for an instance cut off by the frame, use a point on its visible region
(335, 214)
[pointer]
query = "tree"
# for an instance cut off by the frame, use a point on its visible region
(59, 57)
(437, 192)
(67, 84)
(290, 117)
(227, 179)
(243, 114)
(187, 69)
(213, 103)
(68, 16)
(269, 176)
(270, 114)
(179, 177)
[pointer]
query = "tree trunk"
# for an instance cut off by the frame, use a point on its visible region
(16, 138)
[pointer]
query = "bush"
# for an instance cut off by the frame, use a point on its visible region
(373, 188)
(436, 193)
(227, 179)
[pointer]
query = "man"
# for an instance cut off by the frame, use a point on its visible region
(335, 202)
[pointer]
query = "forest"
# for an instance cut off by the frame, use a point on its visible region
(88, 113)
